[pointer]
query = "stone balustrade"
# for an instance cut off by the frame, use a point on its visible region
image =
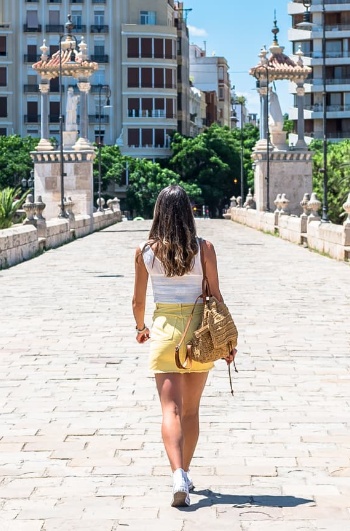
(308, 229)
(22, 242)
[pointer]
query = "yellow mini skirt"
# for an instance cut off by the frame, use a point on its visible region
(169, 322)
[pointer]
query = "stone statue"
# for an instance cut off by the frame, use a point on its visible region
(71, 110)
(120, 142)
(275, 116)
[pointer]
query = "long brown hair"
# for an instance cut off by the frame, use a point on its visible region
(173, 232)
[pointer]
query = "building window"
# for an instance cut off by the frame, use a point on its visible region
(32, 111)
(146, 77)
(3, 131)
(133, 78)
(221, 93)
(99, 18)
(158, 48)
(221, 73)
(158, 78)
(3, 50)
(76, 19)
(148, 17)
(3, 76)
(134, 107)
(168, 78)
(169, 108)
(147, 137)
(146, 48)
(133, 47)
(32, 20)
(159, 138)
(134, 137)
(168, 49)
(3, 107)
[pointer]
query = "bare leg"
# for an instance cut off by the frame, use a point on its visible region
(169, 387)
(192, 389)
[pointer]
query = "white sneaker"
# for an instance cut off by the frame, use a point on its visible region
(181, 496)
(189, 481)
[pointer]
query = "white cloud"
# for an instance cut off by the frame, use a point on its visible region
(197, 32)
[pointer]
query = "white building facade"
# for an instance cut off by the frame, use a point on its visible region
(337, 62)
(138, 48)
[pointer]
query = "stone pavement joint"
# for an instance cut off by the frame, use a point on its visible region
(80, 443)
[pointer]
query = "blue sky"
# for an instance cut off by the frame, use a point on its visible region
(237, 29)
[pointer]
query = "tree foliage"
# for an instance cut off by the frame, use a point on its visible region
(15, 160)
(338, 172)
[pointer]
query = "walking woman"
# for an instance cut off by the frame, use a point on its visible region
(171, 257)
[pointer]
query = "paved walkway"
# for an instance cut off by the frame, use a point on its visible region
(80, 445)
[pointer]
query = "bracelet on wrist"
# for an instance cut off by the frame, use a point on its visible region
(138, 330)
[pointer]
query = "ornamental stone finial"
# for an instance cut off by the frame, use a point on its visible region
(314, 205)
(304, 203)
(82, 50)
(277, 203)
(346, 207)
(284, 205)
(300, 55)
(44, 50)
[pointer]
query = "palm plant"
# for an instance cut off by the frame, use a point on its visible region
(10, 201)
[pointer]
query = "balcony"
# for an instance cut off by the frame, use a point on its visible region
(54, 28)
(31, 89)
(100, 58)
(30, 29)
(318, 107)
(95, 119)
(99, 28)
(155, 113)
(32, 1)
(32, 118)
(330, 81)
(31, 58)
(79, 29)
(54, 118)
(98, 1)
(76, 1)
(54, 1)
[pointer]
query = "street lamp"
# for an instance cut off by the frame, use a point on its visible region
(107, 92)
(267, 129)
(70, 44)
(237, 101)
(307, 24)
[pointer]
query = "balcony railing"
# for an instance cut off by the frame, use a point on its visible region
(100, 58)
(32, 118)
(99, 28)
(30, 29)
(76, 1)
(55, 118)
(31, 88)
(98, 1)
(54, 1)
(31, 58)
(155, 113)
(318, 107)
(79, 29)
(54, 28)
(95, 119)
(329, 81)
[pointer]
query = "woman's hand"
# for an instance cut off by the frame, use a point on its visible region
(229, 359)
(142, 337)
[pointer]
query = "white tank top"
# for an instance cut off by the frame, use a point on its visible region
(180, 290)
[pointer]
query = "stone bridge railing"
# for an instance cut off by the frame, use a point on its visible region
(22, 242)
(308, 229)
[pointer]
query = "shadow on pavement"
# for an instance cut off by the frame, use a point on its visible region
(245, 502)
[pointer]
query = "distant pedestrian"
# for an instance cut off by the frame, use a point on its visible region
(171, 258)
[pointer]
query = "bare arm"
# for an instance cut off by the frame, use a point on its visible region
(139, 298)
(211, 267)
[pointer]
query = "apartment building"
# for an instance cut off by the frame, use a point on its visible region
(337, 62)
(141, 49)
(210, 74)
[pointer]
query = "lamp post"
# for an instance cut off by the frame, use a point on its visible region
(239, 101)
(308, 25)
(107, 92)
(259, 75)
(70, 44)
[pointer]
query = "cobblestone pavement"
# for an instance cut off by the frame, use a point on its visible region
(80, 445)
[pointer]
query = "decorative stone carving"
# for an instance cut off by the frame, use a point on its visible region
(304, 203)
(233, 202)
(114, 204)
(39, 208)
(29, 209)
(277, 203)
(346, 207)
(314, 205)
(249, 202)
(100, 203)
(239, 202)
(284, 205)
(68, 205)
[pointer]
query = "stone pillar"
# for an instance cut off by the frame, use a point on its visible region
(264, 112)
(301, 144)
(44, 144)
(83, 143)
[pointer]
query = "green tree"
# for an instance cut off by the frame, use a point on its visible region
(338, 171)
(146, 180)
(211, 161)
(15, 160)
(10, 201)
